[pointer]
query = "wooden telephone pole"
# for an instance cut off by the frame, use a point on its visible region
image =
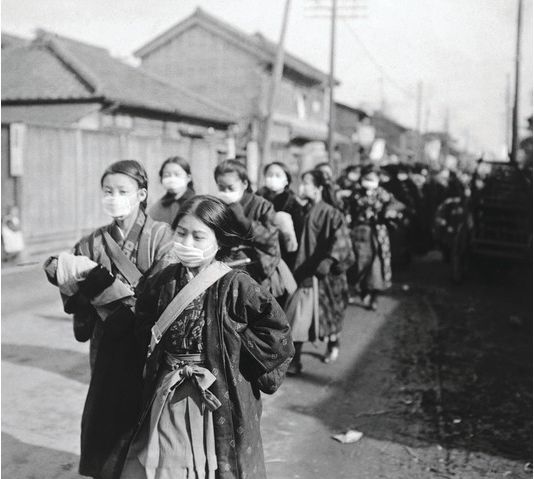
(515, 113)
(275, 84)
(345, 9)
(331, 84)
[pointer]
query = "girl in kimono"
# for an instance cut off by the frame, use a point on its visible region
(175, 176)
(227, 342)
(316, 310)
(277, 190)
(253, 218)
(371, 207)
(97, 285)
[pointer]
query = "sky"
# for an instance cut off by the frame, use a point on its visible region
(461, 50)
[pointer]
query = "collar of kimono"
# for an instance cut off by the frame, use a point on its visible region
(130, 243)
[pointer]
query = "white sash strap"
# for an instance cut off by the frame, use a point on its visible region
(200, 283)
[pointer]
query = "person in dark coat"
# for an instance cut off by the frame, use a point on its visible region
(278, 191)
(204, 379)
(100, 295)
(323, 256)
(175, 176)
(253, 218)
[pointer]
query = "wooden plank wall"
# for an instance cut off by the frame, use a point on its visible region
(60, 189)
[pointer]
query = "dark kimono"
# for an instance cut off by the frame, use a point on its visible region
(254, 221)
(117, 358)
(247, 344)
(168, 206)
(286, 202)
(371, 238)
(325, 252)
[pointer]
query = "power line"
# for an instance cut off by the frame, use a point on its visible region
(377, 64)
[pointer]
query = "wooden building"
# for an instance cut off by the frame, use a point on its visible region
(69, 109)
(234, 69)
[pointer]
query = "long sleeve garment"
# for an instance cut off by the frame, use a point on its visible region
(325, 251)
(117, 357)
(247, 342)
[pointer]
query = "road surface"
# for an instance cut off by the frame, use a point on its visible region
(438, 380)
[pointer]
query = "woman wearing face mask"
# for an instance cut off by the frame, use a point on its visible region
(175, 176)
(226, 342)
(317, 308)
(254, 221)
(371, 208)
(97, 284)
(277, 190)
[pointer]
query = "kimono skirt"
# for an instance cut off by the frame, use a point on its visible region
(373, 257)
(177, 440)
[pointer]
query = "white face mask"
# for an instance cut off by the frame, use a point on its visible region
(230, 197)
(193, 257)
(117, 206)
(275, 183)
(370, 185)
(175, 184)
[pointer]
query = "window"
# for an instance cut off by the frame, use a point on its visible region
(301, 105)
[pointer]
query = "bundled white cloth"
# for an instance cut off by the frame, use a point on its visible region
(284, 223)
(70, 270)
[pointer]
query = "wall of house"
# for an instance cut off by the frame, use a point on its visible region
(295, 99)
(211, 66)
(60, 195)
(9, 183)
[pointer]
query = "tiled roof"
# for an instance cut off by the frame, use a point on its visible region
(34, 72)
(55, 67)
(9, 40)
(256, 44)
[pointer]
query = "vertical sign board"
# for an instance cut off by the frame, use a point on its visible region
(17, 136)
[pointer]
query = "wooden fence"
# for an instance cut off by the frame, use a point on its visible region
(59, 190)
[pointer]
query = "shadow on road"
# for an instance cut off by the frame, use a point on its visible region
(69, 364)
(19, 460)
(458, 371)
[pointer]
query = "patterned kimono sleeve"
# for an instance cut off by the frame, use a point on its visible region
(265, 334)
(342, 250)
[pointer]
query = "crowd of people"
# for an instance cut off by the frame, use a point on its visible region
(196, 305)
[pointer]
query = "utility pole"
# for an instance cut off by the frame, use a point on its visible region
(331, 81)
(344, 9)
(507, 114)
(446, 136)
(382, 96)
(515, 114)
(427, 119)
(419, 105)
(275, 83)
